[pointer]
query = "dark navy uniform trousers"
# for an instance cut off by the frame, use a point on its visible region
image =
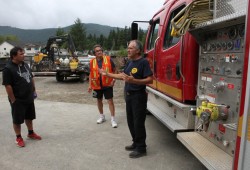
(136, 105)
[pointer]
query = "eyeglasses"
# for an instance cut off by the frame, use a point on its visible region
(98, 51)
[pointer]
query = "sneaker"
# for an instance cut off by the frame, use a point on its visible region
(34, 136)
(113, 124)
(101, 120)
(20, 142)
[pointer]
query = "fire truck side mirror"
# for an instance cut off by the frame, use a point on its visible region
(134, 31)
(151, 22)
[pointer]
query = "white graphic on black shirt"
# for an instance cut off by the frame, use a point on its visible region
(25, 75)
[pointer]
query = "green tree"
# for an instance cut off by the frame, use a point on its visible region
(141, 35)
(101, 40)
(122, 52)
(91, 41)
(1, 39)
(60, 31)
(127, 36)
(111, 42)
(8, 38)
(78, 33)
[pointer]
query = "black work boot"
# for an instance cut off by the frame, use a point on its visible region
(130, 148)
(137, 154)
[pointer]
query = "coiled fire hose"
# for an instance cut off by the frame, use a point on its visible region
(194, 13)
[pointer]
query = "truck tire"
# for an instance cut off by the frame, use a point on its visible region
(59, 77)
(82, 77)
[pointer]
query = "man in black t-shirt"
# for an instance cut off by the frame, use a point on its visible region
(137, 74)
(20, 87)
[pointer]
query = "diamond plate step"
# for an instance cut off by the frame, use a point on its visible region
(209, 154)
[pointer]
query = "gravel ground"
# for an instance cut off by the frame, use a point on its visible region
(59, 151)
(70, 91)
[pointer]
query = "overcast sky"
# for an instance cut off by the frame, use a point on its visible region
(40, 14)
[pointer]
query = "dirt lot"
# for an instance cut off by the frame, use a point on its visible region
(71, 91)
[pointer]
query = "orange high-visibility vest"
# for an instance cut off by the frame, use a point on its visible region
(95, 76)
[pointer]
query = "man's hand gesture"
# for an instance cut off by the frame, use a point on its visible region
(128, 78)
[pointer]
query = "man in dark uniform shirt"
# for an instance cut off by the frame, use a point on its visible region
(137, 74)
(20, 87)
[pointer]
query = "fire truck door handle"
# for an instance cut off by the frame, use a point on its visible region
(181, 56)
(154, 65)
(178, 71)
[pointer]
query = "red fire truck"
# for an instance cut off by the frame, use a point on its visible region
(201, 84)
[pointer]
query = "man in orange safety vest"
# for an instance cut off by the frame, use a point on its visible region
(102, 85)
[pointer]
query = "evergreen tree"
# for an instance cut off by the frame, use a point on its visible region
(101, 40)
(109, 42)
(78, 33)
(1, 39)
(112, 40)
(60, 31)
(91, 41)
(8, 38)
(141, 35)
(126, 36)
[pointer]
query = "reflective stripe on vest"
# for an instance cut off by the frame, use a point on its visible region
(94, 77)
(105, 60)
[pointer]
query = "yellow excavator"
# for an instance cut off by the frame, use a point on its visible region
(59, 56)
(39, 63)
